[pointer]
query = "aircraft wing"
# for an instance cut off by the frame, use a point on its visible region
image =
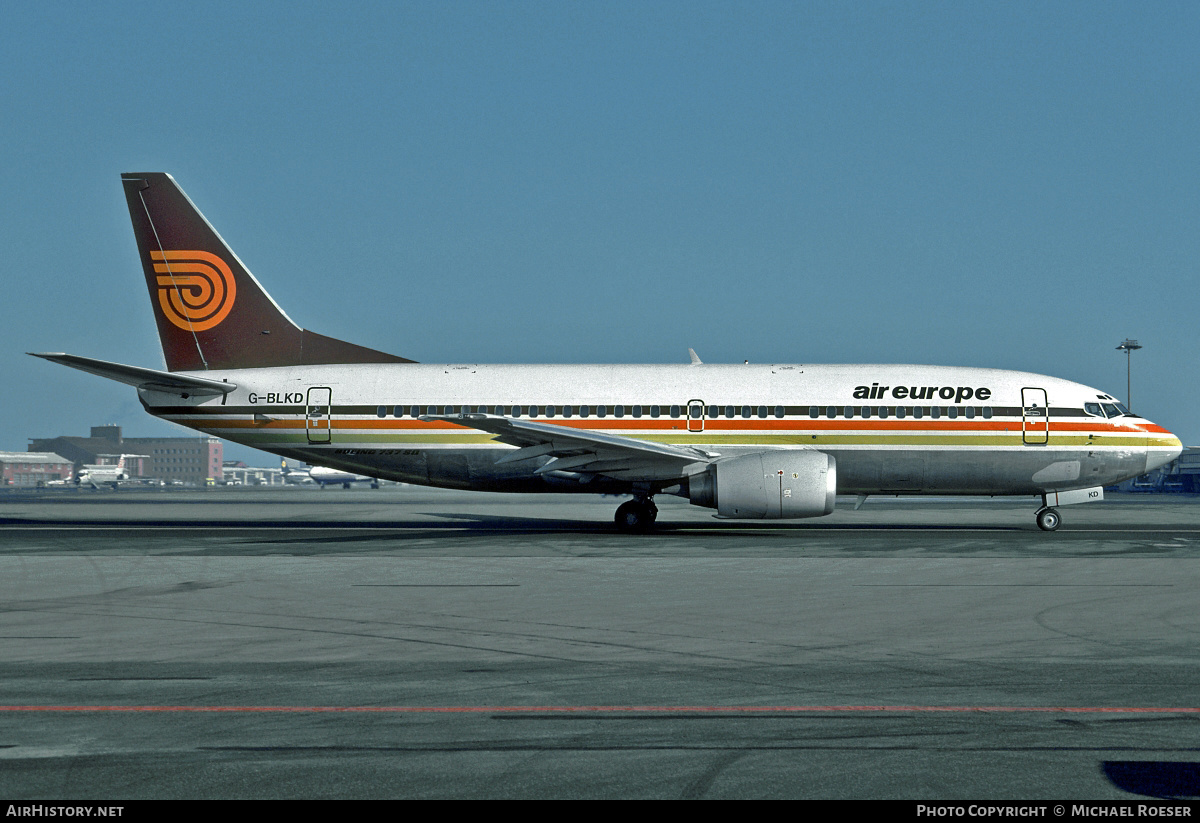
(580, 450)
(150, 379)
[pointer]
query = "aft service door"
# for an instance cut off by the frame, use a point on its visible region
(1035, 417)
(317, 415)
(695, 415)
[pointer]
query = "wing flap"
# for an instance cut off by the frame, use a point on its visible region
(581, 450)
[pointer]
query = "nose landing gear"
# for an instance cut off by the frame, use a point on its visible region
(1048, 519)
(636, 515)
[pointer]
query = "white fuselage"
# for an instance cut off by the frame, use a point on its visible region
(892, 428)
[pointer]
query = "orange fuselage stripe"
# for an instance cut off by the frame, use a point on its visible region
(842, 426)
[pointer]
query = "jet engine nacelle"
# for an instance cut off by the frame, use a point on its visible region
(776, 484)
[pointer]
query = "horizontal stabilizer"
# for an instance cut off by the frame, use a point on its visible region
(150, 379)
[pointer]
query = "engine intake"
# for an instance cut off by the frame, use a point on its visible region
(777, 484)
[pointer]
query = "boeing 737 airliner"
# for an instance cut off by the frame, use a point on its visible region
(774, 441)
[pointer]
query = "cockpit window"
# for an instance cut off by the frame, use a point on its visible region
(1121, 408)
(1093, 408)
(1110, 410)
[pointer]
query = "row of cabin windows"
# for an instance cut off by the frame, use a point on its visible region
(830, 412)
(916, 412)
(531, 411)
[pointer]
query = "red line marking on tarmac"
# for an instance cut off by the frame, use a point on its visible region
(619, 709)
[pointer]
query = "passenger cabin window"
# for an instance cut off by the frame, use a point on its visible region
(866, 411)
(987, 412)
(637, 411)
(619, 411)
(713, 411)
(883, 411)
(584, 411)
(900, 411)
(780, 411)
(381, 411)
(849, 412)
(762, 411)
(813, 411)
(970, 412)
(655, 411)
(831, 412)
(745, 411)
(730, 411)
(674, 411)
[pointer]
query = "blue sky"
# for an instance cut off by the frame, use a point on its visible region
(1010, 185)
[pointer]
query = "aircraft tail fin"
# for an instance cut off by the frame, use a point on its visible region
(210, 310)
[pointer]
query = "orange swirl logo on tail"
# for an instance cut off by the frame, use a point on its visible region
(195, 288)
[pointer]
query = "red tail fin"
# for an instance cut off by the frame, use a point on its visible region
(211, 312)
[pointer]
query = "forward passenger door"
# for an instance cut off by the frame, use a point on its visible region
(1035, 417)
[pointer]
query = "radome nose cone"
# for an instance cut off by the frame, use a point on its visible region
(1164, 454)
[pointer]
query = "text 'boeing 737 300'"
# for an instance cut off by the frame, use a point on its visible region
(750, 441)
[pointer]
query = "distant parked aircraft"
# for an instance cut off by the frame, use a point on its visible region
(96, 474)
(325, 477)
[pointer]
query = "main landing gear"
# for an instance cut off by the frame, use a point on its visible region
(1048, 519)
(636, 515)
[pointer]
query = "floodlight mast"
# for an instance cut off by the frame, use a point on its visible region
(1129, 347)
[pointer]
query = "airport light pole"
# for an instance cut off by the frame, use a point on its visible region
(1129, 347)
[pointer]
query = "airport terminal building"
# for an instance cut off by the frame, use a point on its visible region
(189, 460)
(34, 468)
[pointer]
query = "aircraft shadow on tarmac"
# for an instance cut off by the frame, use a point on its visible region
(521, 523)
(1155, 778)
(460, 521)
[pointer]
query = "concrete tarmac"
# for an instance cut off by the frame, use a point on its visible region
(408, 642)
